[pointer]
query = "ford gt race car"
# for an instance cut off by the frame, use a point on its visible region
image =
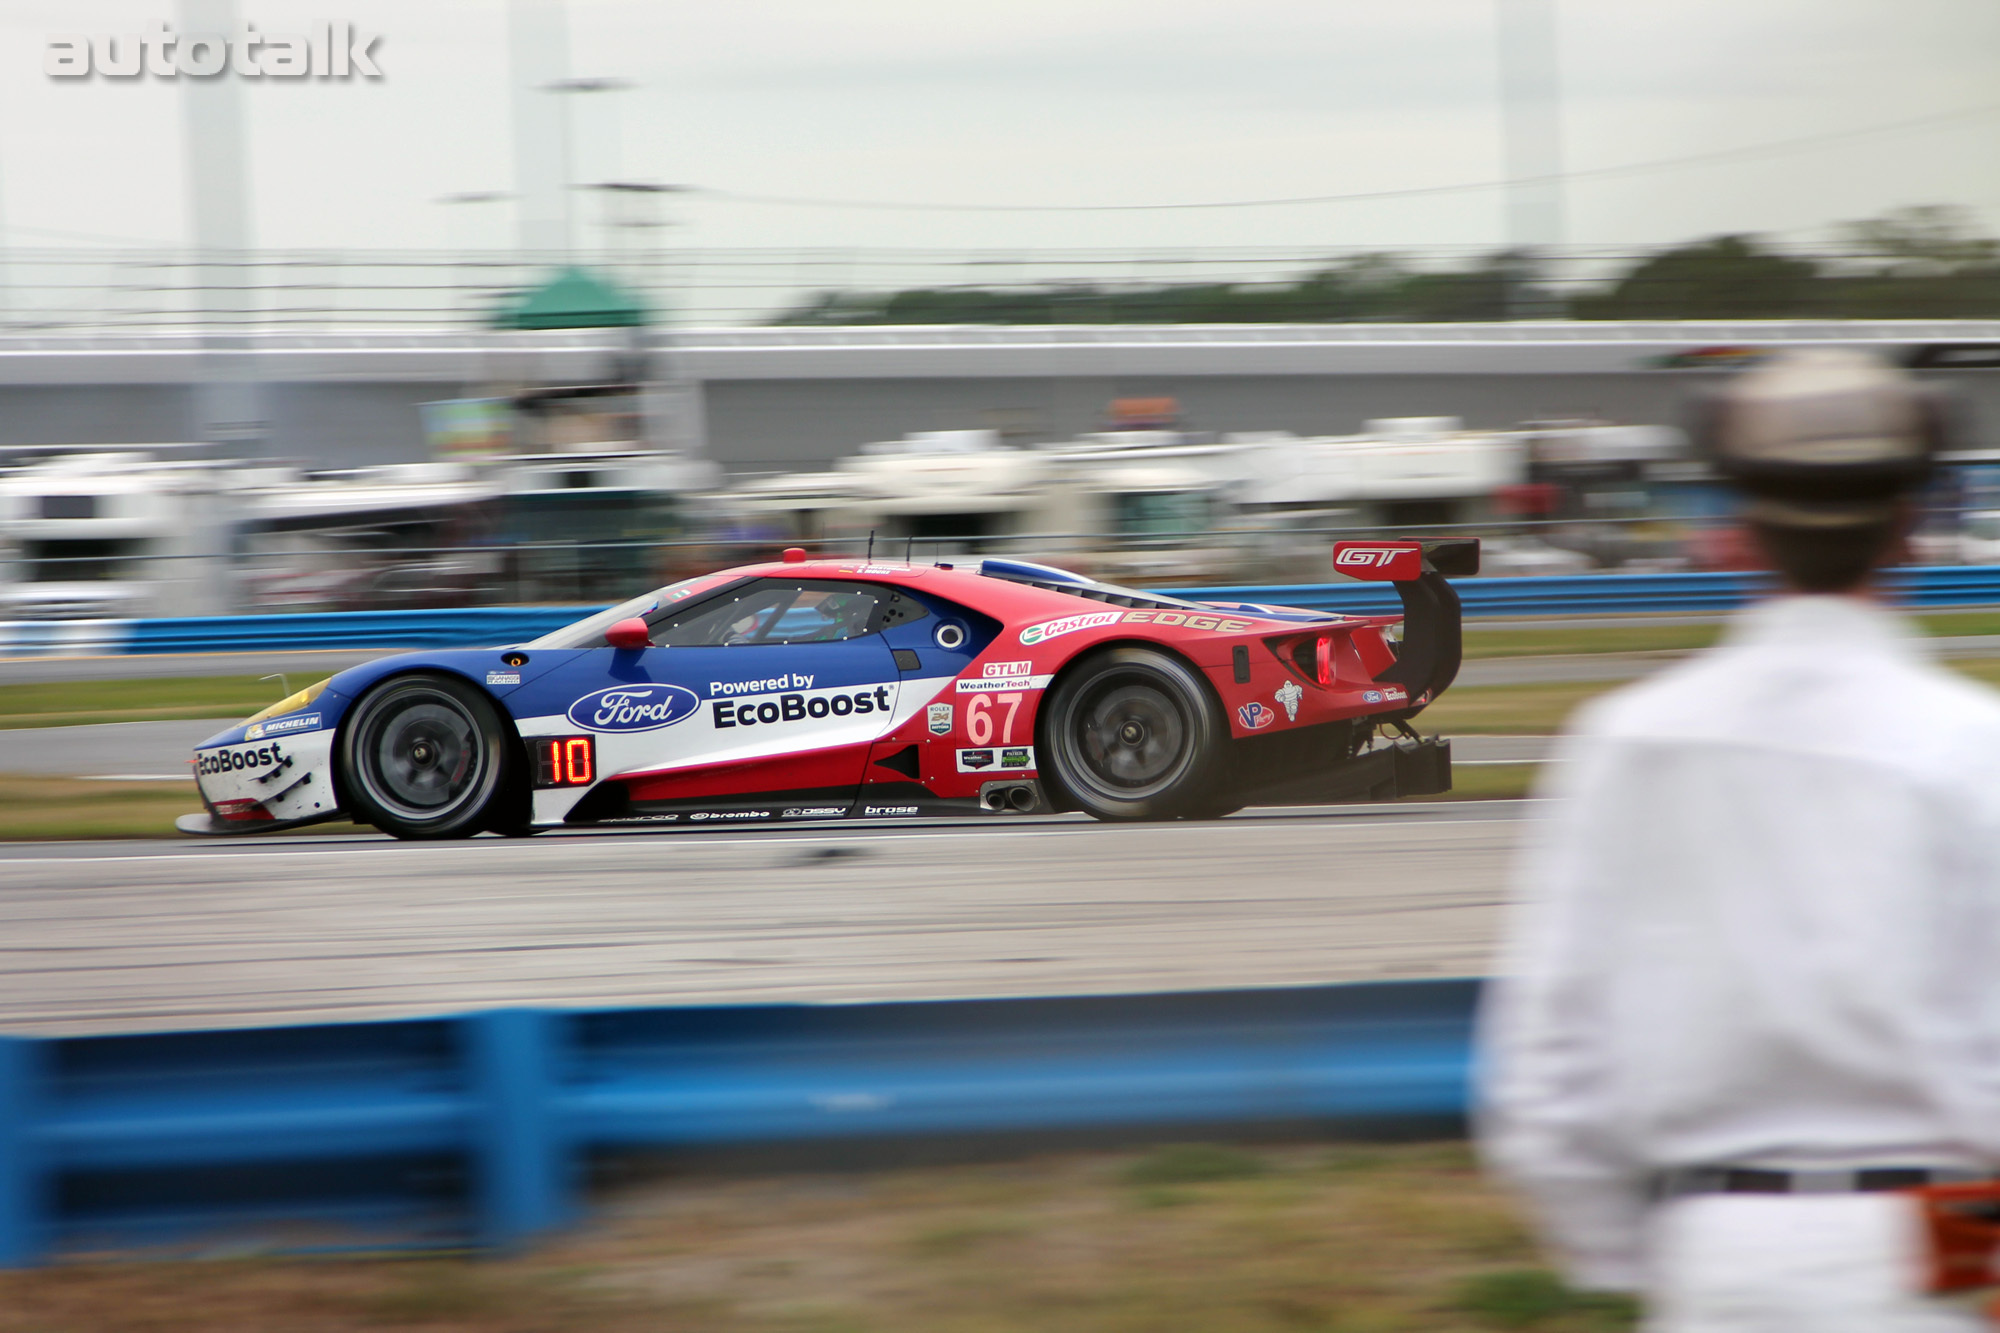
(859, 688)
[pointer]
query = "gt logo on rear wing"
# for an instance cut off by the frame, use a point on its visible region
(1386, 562)
(1404, 562)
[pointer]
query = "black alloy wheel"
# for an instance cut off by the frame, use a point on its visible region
(1133, 733)
(424, 756)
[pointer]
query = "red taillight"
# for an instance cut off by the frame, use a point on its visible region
(1312, 657)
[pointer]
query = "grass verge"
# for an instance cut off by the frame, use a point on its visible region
(1639, 636)
(76, 703)
(33, 808)
(1269, 1240)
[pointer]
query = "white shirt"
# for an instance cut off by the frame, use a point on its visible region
(1759, 926)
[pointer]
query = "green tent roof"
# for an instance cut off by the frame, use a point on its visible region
(573, 299)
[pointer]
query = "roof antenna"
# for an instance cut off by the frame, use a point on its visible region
(908, 542)
(871, 545)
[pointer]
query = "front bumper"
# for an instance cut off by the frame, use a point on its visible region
(261, 785)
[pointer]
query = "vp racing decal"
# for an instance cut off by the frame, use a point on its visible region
(634, 708)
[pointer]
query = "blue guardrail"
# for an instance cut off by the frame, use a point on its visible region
(480, 627)
(476, 1128)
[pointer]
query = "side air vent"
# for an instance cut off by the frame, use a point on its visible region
(904, 761)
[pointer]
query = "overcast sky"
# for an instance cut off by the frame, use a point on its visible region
(1038, 101)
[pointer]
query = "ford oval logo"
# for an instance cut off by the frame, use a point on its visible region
(634, 708)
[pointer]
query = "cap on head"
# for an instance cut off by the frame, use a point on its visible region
(1823, 438)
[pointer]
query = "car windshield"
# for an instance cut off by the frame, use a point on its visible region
(589, 632)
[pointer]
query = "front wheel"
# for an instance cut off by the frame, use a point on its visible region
(423, 756)
(1133, 733)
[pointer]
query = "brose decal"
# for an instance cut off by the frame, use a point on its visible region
(890, 810)
(237, 761)
(794, 707)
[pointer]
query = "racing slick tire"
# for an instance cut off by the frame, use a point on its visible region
(423, 756)
(1133, 733)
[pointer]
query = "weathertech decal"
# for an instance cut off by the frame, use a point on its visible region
(1004, 683)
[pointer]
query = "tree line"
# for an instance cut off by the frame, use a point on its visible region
(1913, 263)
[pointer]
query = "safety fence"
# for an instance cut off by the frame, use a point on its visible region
(478, 627)
(479, 1129)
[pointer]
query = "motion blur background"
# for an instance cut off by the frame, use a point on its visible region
(577, 298)
(580, 295)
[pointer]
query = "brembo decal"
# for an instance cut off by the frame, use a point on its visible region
(634, 708)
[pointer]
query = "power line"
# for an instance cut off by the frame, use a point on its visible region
(1771, 148)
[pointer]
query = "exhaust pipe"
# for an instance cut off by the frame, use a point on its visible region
(1010, 797)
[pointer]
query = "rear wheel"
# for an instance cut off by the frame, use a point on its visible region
(424, 756)
(1132, 733)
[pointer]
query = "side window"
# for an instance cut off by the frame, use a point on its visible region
(772, 611)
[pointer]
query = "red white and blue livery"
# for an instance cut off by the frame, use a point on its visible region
(811, 689)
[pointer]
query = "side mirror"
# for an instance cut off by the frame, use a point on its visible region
(630, 633)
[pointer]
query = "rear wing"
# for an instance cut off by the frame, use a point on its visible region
(1433, 638)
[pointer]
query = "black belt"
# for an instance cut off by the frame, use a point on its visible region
(1683, 1181)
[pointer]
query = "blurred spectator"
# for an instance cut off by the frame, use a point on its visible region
(1750, 993)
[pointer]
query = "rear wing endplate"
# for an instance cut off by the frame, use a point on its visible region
(1433, 638)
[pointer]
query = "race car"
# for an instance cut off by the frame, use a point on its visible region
(808, 689)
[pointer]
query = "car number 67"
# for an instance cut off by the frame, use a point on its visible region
(979, 717)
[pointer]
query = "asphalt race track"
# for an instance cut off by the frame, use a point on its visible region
(101, 937)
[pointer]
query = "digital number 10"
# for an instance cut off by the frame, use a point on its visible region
(565, 761)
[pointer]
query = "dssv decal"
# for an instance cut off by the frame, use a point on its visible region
(634, 708)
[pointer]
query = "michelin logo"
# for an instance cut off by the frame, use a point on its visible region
(280, 726)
